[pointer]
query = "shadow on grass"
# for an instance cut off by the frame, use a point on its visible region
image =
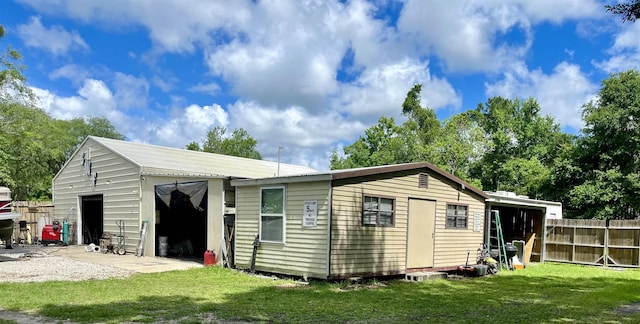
(499, 299)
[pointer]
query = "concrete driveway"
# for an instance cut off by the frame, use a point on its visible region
(127, 262)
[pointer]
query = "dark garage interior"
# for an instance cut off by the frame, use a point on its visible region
(181, 224)
(92, 218)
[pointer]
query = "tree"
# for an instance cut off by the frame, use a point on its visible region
(77, 129)
(388, 143)
(607, 153)
(460, 145)
(12, 79)
(630, 11)
(382, 144)
(28, 153)
(517, 132)
(425, 118)
(240, 143)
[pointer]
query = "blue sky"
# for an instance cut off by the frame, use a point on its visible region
(309, 76)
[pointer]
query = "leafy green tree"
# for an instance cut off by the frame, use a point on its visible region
(460, 145)
(240, 143)
(77, 129)
(26, 139)
(193, 146)
(607, 153)
(12, 79)
(427, 122)
(388, 143)
(517, 132)
(630, 10)
(382, 144)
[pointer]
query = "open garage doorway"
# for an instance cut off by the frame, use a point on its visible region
(181, 219)
(91, 208)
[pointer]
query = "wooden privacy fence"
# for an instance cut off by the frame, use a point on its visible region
(595, 242)
(30, 212)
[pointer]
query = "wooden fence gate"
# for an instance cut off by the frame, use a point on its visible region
(594, 242)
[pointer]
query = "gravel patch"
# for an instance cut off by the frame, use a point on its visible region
(41, 266)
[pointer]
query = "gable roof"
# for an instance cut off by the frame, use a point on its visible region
(168, 161)
(360, 172)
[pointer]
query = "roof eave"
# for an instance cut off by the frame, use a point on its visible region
(278, 180)
(409, 166)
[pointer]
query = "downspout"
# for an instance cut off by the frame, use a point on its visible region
(329, 216)
(222, 226)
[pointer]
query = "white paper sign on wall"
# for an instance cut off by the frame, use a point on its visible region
(477, 221)
(310, 214)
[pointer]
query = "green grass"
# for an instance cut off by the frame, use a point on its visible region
(544, 293)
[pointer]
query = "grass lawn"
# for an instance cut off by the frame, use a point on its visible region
(542, 293)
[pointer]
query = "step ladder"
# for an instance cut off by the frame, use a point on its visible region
(496, 239)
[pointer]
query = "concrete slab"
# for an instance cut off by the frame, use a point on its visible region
(421, 276)
(127, 261)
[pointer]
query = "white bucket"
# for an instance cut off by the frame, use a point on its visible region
(162, 249)
(163, 239)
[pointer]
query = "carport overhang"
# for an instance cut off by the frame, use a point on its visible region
(499, 200)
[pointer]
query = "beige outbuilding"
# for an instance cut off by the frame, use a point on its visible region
(114, 187)
(375, 221)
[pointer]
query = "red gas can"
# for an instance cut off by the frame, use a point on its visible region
(210, 257)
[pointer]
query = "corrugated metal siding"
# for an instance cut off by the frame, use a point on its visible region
(121, 196)
(357, 249)
(305, 251)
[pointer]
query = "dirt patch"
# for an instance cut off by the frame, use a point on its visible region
(629, 309)
(20, 317)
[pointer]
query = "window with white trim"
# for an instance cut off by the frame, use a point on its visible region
(378, 211)
(272, 206)
(457, 216)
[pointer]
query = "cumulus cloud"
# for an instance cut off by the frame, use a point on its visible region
(130, 91)
(72, 72)
(470, 35)
(625, 51)
(381, 91)
(96, 99)
(56, 39)
(307, 138)
(284, 61)
(560, 94)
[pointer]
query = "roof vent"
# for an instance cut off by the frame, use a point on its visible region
(423, 180)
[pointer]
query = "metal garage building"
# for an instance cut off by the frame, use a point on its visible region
(114, 186)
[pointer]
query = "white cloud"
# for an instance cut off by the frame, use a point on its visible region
(175, 26)
(307, 138)
(211, 88)
(560, 94)
(187, 124)
(130, 91)
(625, 52)
(283, 58)
(56, 39)
(469, 35)
(74, 73)
(96, 99)
(381, 91)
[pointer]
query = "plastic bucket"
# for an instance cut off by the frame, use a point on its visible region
(163, 245)
(162, 249)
